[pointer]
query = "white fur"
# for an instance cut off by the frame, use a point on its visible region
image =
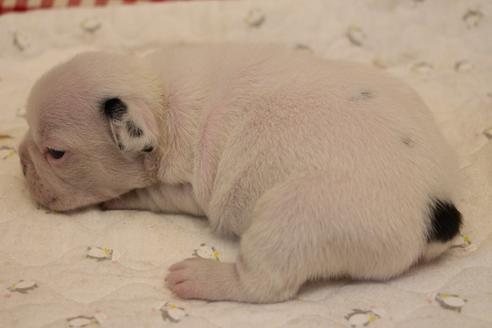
(324, 169)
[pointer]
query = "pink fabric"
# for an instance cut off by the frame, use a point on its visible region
(7, 6)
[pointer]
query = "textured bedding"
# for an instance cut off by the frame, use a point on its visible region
(106, 269)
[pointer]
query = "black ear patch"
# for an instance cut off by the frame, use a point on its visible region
(133, 130)
(114, 108)
(131, 125)
(446, 221)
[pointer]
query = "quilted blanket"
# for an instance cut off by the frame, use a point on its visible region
(106, 269)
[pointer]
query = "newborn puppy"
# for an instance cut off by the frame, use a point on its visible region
(324, 169)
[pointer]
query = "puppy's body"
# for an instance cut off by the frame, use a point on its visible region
(324, 169)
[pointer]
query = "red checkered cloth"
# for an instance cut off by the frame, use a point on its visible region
(25, 5)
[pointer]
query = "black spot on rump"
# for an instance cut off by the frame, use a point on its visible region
(446, 221)
(133, 130)
(114, 108)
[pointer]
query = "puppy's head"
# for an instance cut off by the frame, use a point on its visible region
(94, 131)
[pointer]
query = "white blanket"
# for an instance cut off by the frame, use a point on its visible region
(93, 268)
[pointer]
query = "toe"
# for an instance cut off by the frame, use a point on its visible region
(186, 290)
(198, 278)
(176, 277)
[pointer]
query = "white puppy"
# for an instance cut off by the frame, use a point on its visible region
(324, 169)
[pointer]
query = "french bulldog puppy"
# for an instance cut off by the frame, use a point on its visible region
(324, 169)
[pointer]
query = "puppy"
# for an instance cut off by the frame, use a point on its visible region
(324, 169)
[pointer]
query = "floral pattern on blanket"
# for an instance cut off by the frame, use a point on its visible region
(106, 269)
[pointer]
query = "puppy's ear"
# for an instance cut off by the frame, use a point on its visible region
(133, 125)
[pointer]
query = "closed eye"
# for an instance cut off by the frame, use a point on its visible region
(56, 154)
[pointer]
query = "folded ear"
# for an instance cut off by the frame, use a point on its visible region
(132, 123)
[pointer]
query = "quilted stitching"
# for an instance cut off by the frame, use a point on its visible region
(106, 269)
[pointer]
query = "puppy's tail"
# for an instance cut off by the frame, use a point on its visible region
(445, 225)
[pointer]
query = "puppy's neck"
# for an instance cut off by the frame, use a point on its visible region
(182, 111)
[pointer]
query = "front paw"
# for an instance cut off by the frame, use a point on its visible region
(205, 279)
(187, 279)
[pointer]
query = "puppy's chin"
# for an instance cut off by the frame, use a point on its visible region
(61, 205)
(62, 198)
(75, 201)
